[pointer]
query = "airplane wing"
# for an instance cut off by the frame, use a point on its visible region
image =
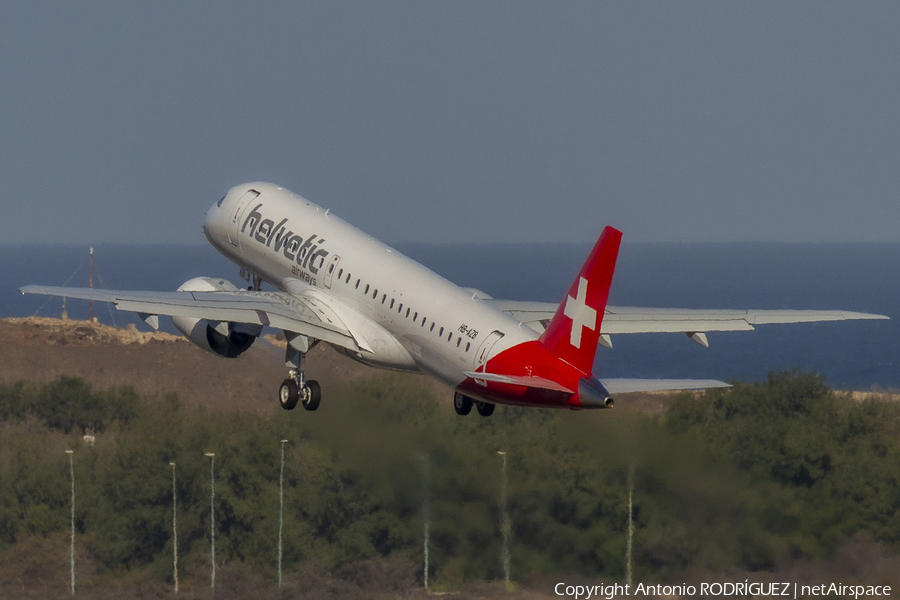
(275, 309)
(629, 319)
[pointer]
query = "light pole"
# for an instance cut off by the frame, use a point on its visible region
(628, 546)
(504, 520)
(174, 529)
(72, 549)
(280, 508)
(212, 518)
(426, 514)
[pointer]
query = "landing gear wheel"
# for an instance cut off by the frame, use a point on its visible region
(312, 395)
(485, 409)
(288, 394)
(462, 404)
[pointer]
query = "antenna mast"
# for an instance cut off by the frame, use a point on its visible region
(91, 285)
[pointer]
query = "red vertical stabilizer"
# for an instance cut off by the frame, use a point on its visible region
(575, 328)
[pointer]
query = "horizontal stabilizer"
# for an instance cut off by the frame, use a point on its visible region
(523, 380)
(626, 386)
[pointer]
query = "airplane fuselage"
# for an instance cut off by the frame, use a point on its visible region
(410, 318)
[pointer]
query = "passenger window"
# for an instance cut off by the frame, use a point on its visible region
(400, 308)
(441, 332)
(449, 336)
(348, 279)
(367, 288)
(330, 267)
(392, 303)
(432, 327)
(407, 314)
(383, 298)
(458, 341)
(467, 346)
(357, 286)
(374, 294)
(340, 273)
(415, 317)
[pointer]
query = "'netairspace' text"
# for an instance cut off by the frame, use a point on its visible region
(740, 588)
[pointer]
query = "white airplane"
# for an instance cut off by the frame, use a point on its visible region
(340, 286)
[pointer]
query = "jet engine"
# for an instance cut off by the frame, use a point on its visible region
(226, 339)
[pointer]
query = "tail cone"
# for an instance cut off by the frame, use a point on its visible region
(592, 394)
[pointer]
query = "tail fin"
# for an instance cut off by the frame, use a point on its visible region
(575, 328)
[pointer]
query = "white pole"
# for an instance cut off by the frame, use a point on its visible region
(628, 556)
(280, 508)
(174, 529)
(212, 518)
(426, 510)
(72, 549)
(504, 523)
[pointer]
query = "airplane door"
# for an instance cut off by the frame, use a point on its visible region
(237, 212)
(329, 272)
(484, 351)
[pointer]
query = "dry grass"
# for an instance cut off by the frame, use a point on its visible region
(156, 363)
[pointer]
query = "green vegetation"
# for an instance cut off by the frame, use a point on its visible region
(743, 478)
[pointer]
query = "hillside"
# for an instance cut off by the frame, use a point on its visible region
(156, 363)
(41, 349)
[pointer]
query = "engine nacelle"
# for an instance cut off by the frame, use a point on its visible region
(229, 340)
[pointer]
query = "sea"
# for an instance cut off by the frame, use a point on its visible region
(858, 355)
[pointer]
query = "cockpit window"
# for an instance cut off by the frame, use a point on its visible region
(221, 200)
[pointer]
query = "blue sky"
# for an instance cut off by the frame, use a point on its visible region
(455, 121)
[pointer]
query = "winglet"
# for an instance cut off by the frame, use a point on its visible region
(575, 328)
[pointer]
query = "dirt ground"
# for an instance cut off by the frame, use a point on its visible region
(156, 363)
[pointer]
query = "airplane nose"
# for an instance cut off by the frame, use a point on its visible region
(217, 205)
(208, 219)
(213, 217)
(592, 394)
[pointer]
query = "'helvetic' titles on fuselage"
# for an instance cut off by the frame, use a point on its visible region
(278, 237)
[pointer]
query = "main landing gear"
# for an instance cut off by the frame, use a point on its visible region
(463, 405)
(291, 392)
(296, 388)
(485, 409)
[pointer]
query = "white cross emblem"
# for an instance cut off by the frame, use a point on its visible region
(581, 314)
